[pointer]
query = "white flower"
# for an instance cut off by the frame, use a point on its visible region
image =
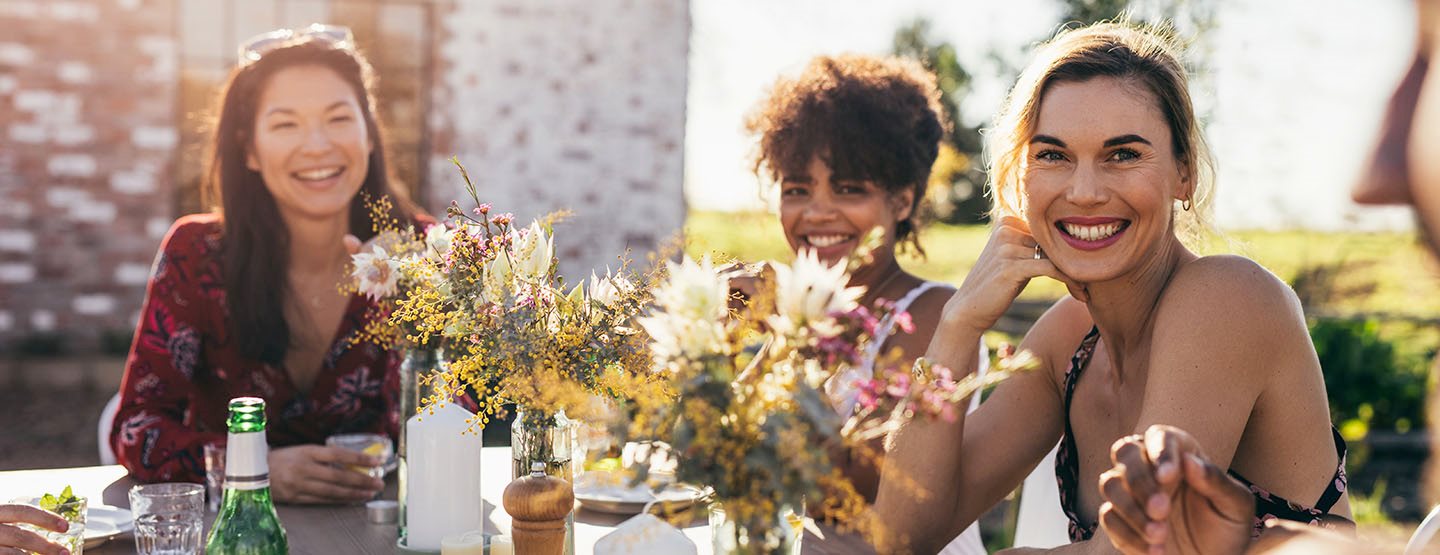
(694, 290)
(675, 338)
(691, 308)
(533, 251)
(495, 285)
(809, 291)
(376, 274)
(609, 290)
(437, 241)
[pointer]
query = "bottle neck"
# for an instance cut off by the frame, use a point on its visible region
(246, 461)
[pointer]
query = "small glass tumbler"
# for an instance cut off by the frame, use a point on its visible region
(73, 538)
(214, 475)
(168, 518)
(374, 445)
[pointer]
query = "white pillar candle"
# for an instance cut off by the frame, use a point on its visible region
(469, 543)
(442, 478)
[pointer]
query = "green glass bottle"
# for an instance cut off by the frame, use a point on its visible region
(247, 524)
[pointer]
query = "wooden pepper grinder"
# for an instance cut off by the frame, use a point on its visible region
(538, 505)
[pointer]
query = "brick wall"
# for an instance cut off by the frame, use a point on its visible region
(553, 104)
(550, 103)
(87, 135)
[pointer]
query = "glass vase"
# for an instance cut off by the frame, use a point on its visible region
(417, 363)
(536, 436)
(780, 535)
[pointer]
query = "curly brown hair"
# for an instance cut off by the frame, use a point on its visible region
(869, 118)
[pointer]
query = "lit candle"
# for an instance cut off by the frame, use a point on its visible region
(442, 478)
(500, 545)
(469, 543)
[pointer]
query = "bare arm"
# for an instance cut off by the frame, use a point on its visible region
(939, 476)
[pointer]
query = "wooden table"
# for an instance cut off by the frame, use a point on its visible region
(344, 529)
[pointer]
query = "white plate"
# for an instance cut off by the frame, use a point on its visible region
(605, 496)
(103, 522)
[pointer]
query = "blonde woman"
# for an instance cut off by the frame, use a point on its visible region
(1098, 164)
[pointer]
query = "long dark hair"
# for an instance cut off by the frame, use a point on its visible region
(255, 252)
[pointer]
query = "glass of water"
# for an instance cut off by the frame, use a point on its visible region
(168, 518)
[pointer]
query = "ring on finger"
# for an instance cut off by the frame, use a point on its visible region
(1038, 254)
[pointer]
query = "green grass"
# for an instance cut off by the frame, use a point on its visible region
(1387, 273)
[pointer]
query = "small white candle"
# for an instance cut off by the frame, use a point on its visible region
(442, 478)
(500, 545)
(469, 543)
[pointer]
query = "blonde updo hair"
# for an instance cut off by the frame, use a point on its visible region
(1148, 56)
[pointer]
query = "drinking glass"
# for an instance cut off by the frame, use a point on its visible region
(214, 475)
(369, 444)
(73, 512)
(168, 518)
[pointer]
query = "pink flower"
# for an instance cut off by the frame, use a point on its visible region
(867, 397)
(503, 219)
(903, 320)
(899, 386)
(483, 209)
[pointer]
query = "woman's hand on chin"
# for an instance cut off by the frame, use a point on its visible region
(1008, 262)
(318, 474)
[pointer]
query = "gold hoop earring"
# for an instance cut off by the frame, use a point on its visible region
(1185, 205)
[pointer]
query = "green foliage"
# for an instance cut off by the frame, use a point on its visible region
(1371, 384)
(66, 504)
(957, 179)
(1086, 12)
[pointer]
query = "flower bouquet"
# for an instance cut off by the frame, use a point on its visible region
(747, 412)
(490, 294)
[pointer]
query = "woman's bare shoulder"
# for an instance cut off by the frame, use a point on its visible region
(1231, 301)
(1230, 288)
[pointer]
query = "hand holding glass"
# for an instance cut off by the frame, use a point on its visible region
(374, 445)
(73, 538)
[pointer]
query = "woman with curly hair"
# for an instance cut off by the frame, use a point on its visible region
(850, 142)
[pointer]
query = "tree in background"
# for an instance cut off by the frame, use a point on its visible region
(1089, 11)
(955, 191)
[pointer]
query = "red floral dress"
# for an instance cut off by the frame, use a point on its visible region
(184, 367)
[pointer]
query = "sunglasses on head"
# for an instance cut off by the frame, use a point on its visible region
(251, 50)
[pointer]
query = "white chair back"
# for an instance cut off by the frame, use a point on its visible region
(1041, 523)
(1425, 533)
(102, 429)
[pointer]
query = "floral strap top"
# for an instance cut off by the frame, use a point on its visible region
(1267, 505)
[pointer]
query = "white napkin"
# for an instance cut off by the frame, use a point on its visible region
(644, 533)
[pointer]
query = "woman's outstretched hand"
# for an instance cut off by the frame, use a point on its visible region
(1008, 262)
(1164, 496)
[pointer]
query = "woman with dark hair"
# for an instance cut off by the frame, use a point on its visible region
(1098, 167)
(246, 300)
(850, 142)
